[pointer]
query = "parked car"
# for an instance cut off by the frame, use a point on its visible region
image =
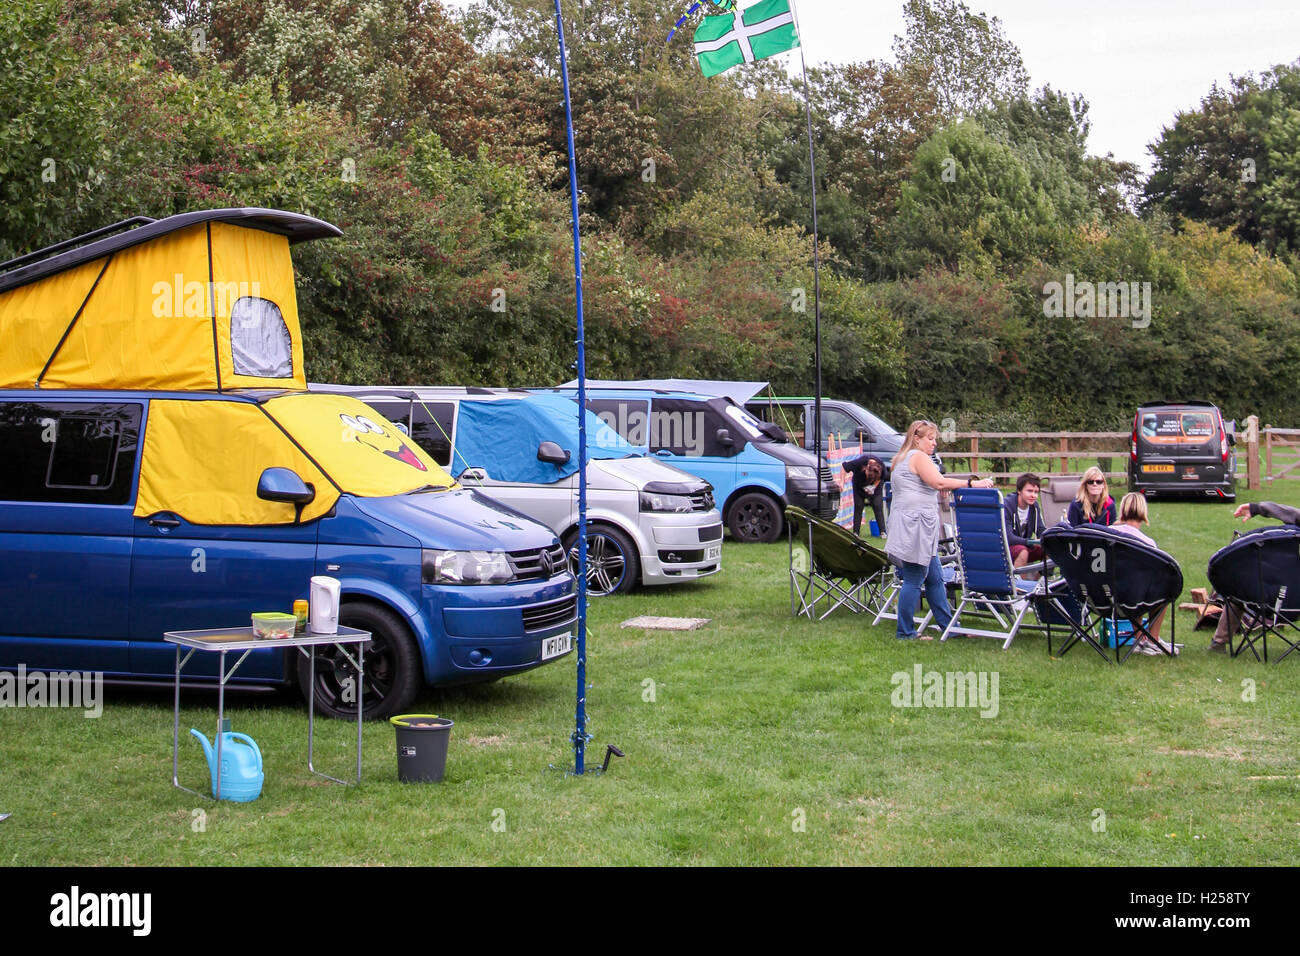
(166, 469)
(848, 422)
(646, 520)
(1182, 447)
(754, 469)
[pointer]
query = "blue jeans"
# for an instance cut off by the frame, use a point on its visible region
(909, 598)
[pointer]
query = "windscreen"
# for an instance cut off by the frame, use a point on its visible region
(364, 453)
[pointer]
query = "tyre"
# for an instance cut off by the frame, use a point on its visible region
(755, 517)
(612, 563)
(392, 667)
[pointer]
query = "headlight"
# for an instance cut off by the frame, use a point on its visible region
(805, 472)
(680, 504)
(465, 567)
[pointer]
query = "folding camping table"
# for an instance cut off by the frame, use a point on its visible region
(223, 640)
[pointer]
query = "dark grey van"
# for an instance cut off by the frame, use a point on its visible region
(849, 422)
(1182, 447)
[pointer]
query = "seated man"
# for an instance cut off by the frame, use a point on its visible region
(1024, 521)
(1230, 619)
(868, 473)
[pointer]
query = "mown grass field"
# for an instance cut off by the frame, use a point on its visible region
(768, 740)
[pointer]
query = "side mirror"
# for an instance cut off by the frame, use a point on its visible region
(550, 452)
(864, 434)
(283, 484)
(724, 438)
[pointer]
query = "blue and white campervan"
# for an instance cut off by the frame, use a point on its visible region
(701, 428)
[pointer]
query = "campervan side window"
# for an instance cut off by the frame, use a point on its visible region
(259, 339)
(68, 453)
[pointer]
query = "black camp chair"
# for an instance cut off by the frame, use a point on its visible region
(1113, 577)
(832, 567)
(1259, 573)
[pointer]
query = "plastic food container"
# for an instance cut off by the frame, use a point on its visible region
(273, 624)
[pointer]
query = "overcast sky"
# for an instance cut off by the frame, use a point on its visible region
(1137, 62)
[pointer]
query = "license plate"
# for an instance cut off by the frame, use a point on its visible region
(557, 645)
(1158, 468)
(713, 552)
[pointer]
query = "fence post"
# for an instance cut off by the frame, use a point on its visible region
(974, 455)
(1065, 447)
(1251, 437)
(1268, 453)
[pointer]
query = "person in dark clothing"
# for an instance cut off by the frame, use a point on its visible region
(1093, 504)
(1024, 520)
(1230, 619)
(868, 473)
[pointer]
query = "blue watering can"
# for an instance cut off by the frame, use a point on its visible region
(241, 766)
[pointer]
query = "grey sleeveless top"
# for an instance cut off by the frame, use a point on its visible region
(913, 524)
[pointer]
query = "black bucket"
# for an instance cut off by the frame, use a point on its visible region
(421, 747)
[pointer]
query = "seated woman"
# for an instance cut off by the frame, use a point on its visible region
(1132, 516)
(1093, 503)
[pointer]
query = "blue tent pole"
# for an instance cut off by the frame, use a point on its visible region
(580, 715)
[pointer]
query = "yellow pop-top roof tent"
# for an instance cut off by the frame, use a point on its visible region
(200, 301)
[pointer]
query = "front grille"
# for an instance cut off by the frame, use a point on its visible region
(530, 565)
(552, 613)
(828, 478)
(712, 533)
(702, 501)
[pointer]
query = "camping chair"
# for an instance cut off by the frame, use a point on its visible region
(989, 582)
(1113, 577)
(1257, 573)
(831, 566)
(1055, 499)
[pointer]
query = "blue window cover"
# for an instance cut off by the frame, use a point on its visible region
(501, 437)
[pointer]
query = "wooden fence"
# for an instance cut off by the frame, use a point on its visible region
(1281, 452)
(1007, 455)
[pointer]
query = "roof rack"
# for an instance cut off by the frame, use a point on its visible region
(76, 241)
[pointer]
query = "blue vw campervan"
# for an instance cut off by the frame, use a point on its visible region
(166, 469)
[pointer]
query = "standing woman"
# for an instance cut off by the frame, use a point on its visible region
(913, 540)
(1092, 503)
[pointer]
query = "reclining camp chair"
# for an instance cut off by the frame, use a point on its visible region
(831, 567)
(989, 583)
(1114, 577)
(1259, 573)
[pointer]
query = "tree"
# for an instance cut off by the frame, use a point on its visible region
(970, 61)
(1233, 162)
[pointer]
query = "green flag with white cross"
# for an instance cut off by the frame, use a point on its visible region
(755, 33)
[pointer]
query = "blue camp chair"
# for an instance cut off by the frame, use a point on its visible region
(1113, 577)
(831, 567)
(1259, 574)
(990, 585)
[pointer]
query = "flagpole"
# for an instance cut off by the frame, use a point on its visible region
(817, 290)
(580, 710)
